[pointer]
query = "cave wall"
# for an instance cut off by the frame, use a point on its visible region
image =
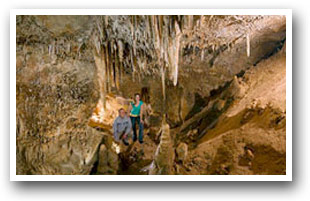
(55, 97)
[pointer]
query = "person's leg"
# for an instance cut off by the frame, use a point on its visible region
(125, 139)
(133, 122)
(140, 130)
(129, 135)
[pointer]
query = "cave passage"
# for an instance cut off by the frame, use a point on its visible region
(202, 80)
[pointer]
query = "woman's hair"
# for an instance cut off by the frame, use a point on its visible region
(136, 94)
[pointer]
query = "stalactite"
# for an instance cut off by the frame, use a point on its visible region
(174, 46)
(101, 72)
(132, 66)
(248, 44)
(96, 44)
(121, 58)
(139, 62)
(201, 21)
(202, 54)
(120, 75)
(209, 21)
(116, 68)
(190, 22)
(132, 25)
(110, 67)
(149, 27)
(53, 48)
(164, 41)
(155, 36)
(144, 62)
(162, 37)
(99, 29)
(107, 54)
(162, 71)
(68, 48)
(152, 28)
(113, 72)
(160, 42)
(133, 32)
(106, 21)
(50, 49)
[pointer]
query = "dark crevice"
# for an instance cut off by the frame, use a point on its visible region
(278, 47)
(200, 103)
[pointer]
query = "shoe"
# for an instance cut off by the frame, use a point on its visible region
(141, 142)
(134, 139)
(125, 143)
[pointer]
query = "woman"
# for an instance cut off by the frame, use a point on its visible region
(136, 116)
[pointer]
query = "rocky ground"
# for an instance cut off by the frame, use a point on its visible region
(249, 136)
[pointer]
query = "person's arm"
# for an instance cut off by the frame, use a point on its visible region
(129, 108)
(141, 113)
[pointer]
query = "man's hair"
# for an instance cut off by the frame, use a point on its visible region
(137, 94)
(121, 110)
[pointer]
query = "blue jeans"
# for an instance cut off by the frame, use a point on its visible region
(135, 120)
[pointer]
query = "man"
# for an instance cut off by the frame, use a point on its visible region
(122, 127)
(136, 116)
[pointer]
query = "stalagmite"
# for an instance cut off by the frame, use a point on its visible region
(164, 156)
(248, 44)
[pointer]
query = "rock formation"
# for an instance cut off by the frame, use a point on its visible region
(164, 155)
(204, 76)
(182, 151)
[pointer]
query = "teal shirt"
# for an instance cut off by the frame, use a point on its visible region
(135, 112)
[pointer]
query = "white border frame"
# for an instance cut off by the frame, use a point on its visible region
(286, 12)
